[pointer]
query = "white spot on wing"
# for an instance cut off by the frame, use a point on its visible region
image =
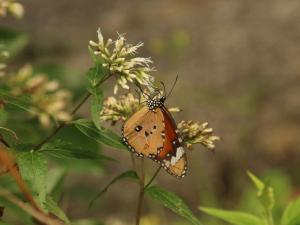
(179, 154)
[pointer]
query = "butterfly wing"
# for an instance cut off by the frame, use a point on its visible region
(142, 132)
(173, 157)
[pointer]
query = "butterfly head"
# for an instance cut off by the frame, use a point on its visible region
(156, 103)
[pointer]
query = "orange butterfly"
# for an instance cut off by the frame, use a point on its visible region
(152, 132)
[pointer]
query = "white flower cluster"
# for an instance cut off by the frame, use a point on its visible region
(48, 99)
(193, 133)
(118, 58)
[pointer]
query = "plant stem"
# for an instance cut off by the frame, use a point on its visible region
(152, 178)
(63, 124)
(269, 215)
(143, 187)
(141, 193)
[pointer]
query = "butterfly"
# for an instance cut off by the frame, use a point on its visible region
(152, 132)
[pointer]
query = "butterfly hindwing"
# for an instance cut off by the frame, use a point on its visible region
(142, 132)
(173, 157)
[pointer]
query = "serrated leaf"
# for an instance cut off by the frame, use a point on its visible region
(13, 41)
(96, 106)
(173, 202)
(95, 74)
(33, 167)
(61, 149)
(233, 217)
(53, 208)
(125, 175)
(102, 135)
(291, 215)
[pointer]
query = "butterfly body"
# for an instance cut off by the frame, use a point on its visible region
(151, 132)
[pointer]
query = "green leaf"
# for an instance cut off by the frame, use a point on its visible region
(33, 167)
(53, 208)
(22, 102)
(257, 182)
(128, 174)
(94, 57)
(62, 149)
(95, 74)
(55, 182)
(233, 217)
(96, 106)
(173, 202)
(291, 215)
(101, 135)
(13, 41)
(265, 192)
(87, 222)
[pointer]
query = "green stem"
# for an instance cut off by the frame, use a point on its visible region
(269, 216)
(141, 193)
(63, 124)
(152, 178)
(143, 187)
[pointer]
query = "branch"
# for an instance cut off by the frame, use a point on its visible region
(63, 124)
(38, 215)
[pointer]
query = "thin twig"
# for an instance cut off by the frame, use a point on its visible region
(152, 178)
(63, 124)
(39, 215)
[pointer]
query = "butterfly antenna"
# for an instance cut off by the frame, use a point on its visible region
(176, 79)
(142, 92)
(163, 84)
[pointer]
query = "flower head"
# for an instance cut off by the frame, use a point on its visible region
(12, 7)
(118, 57)
(121, 109)
(48, 100)
(194, 133)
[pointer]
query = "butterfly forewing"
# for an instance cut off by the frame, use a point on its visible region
(143, 131)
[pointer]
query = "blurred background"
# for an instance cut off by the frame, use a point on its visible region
(238, 67)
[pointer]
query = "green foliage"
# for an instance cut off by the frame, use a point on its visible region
(21, 102)
(33, 167)
(95, 74)
(13, 41)
(233, 217)
(102, 135)
(130, 174)
(53, 208)
(291, 215)
(96, 106)
(61, 149)
(265, 192)
(173, 202)
(265, 196)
